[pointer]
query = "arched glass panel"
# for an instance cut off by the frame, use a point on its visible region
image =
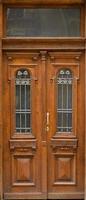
(64, 101)
(23, 101)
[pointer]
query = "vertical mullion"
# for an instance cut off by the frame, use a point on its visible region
(16, 104)
(71, 102)
(62, 104)
(25, 109)
(30, 105)
(20, 107)
(67, 103)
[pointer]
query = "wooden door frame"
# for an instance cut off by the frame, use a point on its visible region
(43, 2)
(1, 125)
(74, 44)
(85, 101)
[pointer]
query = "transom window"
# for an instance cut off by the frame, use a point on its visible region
(64, 98)
(43, 22)
(23, 101)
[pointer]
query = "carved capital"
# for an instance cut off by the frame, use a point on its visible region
(43, 55)
(10, 58)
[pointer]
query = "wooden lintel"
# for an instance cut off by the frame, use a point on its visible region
(30, 2)
(44, 44)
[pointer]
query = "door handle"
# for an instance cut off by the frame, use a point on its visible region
(48, 121)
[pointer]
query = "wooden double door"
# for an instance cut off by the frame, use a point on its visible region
(43, 125)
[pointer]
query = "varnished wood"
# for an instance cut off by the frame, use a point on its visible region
(38, 54)
(44, 44)
(40, 2)
(24, 196)
(85, 100)
(26, 155)
(1, 108)
(1, 129)
(43, 55)
(62, 153)
(67, 196)
(42, 65)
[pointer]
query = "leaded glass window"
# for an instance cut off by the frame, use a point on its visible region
(23, 101)
(64, 101)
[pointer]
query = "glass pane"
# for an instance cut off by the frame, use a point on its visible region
(64, 101)
(23, 99)
(43, 22)
(17, 120)
(23, 96)
(17, 97)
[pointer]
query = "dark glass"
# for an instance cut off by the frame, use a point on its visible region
(18, 97)
(64, 101)
(43, 22)
(17, 120)
(23, 99)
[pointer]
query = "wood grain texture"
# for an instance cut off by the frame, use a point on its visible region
(1, 130)
(26, 156)
(1, 122)
(40, 2)
(42, 165)
(85, 99)
(62, 153)
(65, 169)
(23, 171)
(70, 44)
(22, 152)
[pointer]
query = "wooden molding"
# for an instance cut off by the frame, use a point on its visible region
(64, 144)
(85, 101)
(43, 43)
(23, 144)
(1, 129)
(1, 122)
(31, 2)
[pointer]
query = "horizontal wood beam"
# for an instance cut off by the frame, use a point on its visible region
(53, 2)
(43, 43)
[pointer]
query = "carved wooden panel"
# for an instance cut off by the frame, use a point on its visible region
(65, 168)
(23, 170)
(64, 144)
(22, 144)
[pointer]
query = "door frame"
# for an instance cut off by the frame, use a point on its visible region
(6, 44)
(85, 100)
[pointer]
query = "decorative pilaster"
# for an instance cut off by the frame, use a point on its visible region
(1, 130)
(85, 100)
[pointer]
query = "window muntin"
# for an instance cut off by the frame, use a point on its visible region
(23, 101)
(64, 101)
(43, 22)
